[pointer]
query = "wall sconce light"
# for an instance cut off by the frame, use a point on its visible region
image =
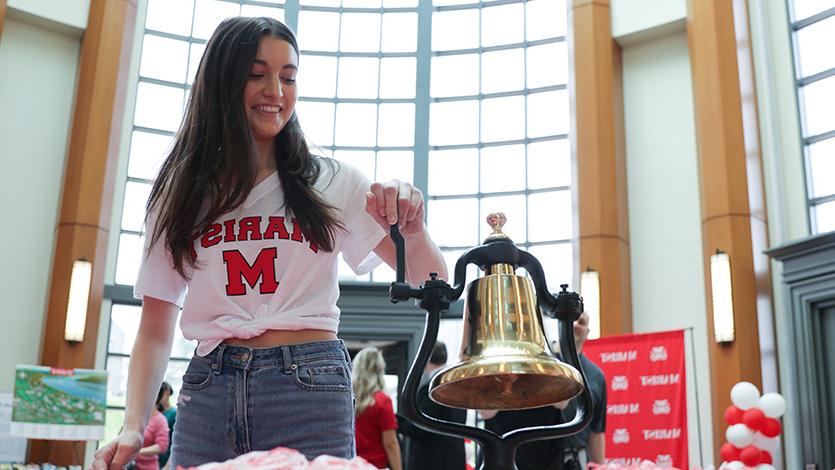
(82, 271)
(590, 291)
(722, 293)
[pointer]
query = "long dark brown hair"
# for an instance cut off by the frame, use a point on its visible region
(212, 166)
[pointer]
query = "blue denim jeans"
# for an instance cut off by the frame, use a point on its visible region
(238, 399)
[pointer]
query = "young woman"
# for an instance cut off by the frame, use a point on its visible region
(246, 219)
(376, 428)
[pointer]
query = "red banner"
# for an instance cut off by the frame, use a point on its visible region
(646, 415)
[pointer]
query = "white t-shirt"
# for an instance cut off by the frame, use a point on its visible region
(256, 270)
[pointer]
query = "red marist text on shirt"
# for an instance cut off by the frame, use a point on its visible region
(261, 271)
(249, 228)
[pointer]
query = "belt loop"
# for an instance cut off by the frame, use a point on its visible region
(249, 359)
(217, 364)
(289, 367)
(345, 351)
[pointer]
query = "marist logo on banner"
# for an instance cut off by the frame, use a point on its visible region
(620, 382)
(620, 436)
(664, 460)
(661, 407)
(658, 353)
(646, 413)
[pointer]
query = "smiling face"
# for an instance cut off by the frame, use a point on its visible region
(270, 92)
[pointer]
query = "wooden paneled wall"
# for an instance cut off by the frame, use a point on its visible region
(601, 225)
(731, 184)
(87, 194)
(733, 208)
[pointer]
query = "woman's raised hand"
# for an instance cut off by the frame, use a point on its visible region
(385, 201)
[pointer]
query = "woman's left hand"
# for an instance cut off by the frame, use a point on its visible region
(385, 201)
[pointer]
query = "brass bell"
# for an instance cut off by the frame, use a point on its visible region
(506, 362)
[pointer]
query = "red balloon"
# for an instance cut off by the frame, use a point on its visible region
(765, 457)
(728, 452)
(771, 428)
(733, 415)
(753, 418)
(750, 456)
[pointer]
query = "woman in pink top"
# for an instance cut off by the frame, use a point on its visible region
(154, 443)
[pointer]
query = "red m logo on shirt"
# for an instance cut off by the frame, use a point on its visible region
(262, 272)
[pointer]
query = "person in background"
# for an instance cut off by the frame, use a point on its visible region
(155, 441)
(170, 412)
(588, 445)
(429, 450)
(537, 455)
(376, 425)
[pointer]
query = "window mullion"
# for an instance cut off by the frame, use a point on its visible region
(291, 14)
(422, 99)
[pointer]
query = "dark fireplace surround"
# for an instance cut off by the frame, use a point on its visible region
(809, 287)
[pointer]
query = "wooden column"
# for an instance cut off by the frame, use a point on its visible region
(2, 17)
(87, 196)
(596, 91)
(732, 199)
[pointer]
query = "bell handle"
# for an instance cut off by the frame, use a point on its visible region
(400, 290)
(400, 252)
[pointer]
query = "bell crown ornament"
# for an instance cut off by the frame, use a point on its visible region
(496, 221)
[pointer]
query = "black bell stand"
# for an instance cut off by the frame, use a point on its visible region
(435, 296)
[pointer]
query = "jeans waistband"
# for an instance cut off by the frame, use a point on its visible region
(242, 357)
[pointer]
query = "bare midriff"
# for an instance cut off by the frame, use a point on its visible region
(272, 338)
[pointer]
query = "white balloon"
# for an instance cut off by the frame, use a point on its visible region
(745, 395)
(735, 465)
(764, 466)
(766, 443)
(773, 405)
(739, 435)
